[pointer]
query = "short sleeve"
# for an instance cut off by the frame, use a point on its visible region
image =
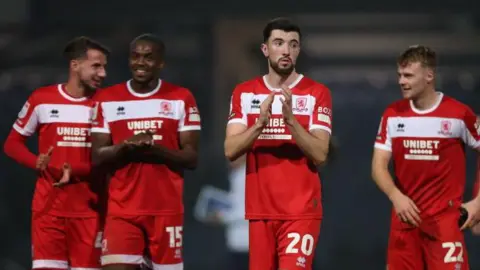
(190, 116)
(27, 119)
(321, 117)
(99, 121)
(471, 132)
(238, 113)
(383, 140)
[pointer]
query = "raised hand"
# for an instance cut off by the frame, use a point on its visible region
(43, 159)
(287, 111)
(266, 110)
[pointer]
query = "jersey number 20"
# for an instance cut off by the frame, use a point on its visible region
(306, 243)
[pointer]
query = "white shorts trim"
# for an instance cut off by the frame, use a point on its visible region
(122, 259)
(49, 264)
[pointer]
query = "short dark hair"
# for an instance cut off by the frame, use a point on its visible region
(154, 39)
(284, 24)
(77, 48)
(418, 53)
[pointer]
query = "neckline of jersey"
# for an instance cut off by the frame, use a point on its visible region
(143, 95)
(431, 109)
(292, 85)
(67, 96)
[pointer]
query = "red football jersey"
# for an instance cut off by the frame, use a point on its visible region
(142, 188)
(63, 122)
(281, 182)
(428, 150)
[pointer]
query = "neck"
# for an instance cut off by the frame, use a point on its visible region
(427, 100)
(276, 80)
(76, 89)
(144, 87)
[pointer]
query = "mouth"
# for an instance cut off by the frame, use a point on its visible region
(140, 72)
(285, 61)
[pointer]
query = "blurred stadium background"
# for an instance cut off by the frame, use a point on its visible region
(349, 45)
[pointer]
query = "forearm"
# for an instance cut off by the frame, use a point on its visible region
(108, 154)
(385, 182)
(16, 149)
(314, 148)
(237, 145)
(186, 158)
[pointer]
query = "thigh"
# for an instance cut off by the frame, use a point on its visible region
(262, 245)
(49, 245)
(444, 244)
(297, 241)
(84, 240)
(165, 241)
(123, 241)
(404, 250)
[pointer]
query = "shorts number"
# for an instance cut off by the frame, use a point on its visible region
(175, 235)
(306, 244)
(452, 247)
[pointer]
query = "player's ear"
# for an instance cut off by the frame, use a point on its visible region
(264, 49)
(74, 65)
(430, 75)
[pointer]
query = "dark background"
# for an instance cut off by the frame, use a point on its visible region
(211, 45)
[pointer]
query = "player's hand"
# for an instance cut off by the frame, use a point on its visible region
(67, 173)
(287, 111)
(476, 229)
(473, 209)
(140, 140)
(266, 110)
(406, 209)
(44, 159)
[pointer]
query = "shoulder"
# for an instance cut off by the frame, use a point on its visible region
(44, 94)
(397, 108)
(176, 91)
(249, 85)
(109, 93)
(455, 106)
(317, 88)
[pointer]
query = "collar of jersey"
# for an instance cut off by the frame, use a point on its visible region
(143, 95)
(431, 109)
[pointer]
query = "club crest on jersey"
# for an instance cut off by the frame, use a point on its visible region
(166, 108)
(300, 104)
(445, 128)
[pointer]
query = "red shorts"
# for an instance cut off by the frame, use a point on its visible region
(66, 243)
(437, 244)
(156, 240)
(283, 244)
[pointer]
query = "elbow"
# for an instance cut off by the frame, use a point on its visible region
(230, 155)
(320, 159)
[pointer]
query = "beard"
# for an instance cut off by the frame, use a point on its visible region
(281, 70)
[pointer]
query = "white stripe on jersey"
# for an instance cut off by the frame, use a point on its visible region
(140, 109)
(425, 127)
(63, 113)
